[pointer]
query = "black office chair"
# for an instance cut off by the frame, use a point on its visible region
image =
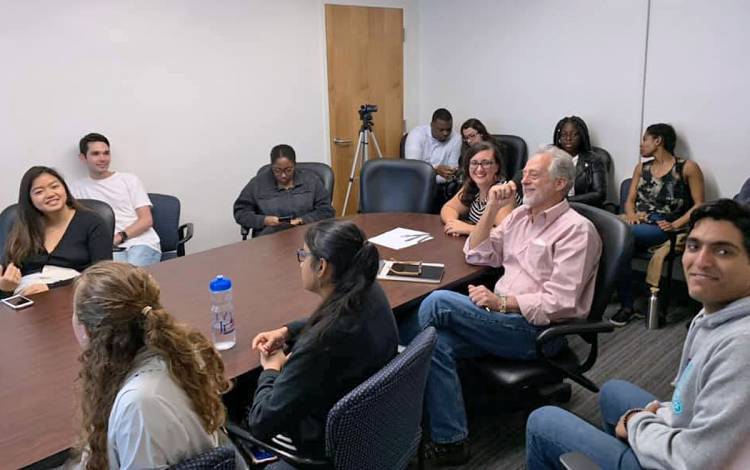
(220, 458)
(376, 425)
(516, 153)
(606, 159)
(166, 215)
(542, 381)
(9, 214)
(396, 186)
(744, 195)
(402, 146)
(324, 172)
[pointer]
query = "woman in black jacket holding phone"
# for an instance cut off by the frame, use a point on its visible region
(572, 135)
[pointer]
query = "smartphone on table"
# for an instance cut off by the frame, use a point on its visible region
(17, 302)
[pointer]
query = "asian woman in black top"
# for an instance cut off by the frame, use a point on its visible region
(351, 335)
(53, 237)
(590, 186)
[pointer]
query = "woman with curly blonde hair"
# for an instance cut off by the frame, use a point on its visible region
(150, 387)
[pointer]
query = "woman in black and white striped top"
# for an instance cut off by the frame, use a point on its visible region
(482, 163)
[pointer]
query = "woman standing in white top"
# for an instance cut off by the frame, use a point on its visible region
(150, 388)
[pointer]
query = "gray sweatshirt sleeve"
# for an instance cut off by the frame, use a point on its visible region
(720, 420)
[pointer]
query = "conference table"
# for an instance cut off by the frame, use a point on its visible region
(39, 366)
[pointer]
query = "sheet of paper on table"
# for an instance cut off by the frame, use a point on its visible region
(399, 238)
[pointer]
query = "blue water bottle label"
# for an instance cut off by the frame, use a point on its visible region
(224, 323)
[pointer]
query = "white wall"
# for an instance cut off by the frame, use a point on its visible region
(697, 80)
(192, 94)
(521, 66)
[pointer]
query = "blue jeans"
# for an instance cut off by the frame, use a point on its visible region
(645, 236)
(552, 432)
(138, 255)
(463, 331)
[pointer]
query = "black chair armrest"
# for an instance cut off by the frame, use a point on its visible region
(577, 461)
(185, 232)
(611, 207)
(579, 327)
(589, 332)
(239, 432)
(244, 231)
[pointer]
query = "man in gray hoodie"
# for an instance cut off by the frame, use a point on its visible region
(707, 422)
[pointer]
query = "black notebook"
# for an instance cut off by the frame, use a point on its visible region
(406, 271)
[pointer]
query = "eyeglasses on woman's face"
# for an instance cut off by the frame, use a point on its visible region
(569, 135)
(302, 254)
(282, 171)
(483, 163)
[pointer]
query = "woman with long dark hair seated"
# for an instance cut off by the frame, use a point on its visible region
(151, 388)
(590, 187)
(663, 193)
(53, 239)
(350, 336)
(483, 166)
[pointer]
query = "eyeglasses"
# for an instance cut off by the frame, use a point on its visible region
(282, 171)
(484, 164)
(302, 254)
(471, 136)
(571, 135)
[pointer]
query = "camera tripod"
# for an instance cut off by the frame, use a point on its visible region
(365, 134)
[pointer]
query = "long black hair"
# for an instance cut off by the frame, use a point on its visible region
(354, 264)
(580, 126)
(27, 235)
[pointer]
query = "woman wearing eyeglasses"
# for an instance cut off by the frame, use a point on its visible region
(283, 197)
(483, 165)
(590, 187)
(350, 336)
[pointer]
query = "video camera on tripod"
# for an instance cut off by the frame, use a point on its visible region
(365, 135)
(365, 113)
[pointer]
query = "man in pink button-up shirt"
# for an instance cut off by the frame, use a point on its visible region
(550, 254)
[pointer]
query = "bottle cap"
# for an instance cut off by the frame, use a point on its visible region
(219, 284)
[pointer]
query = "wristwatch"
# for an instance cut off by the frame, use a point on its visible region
(503, 304)
(123, 236)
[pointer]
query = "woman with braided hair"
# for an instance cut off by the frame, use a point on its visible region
(590, 186)
(150, 387)
(350, 336)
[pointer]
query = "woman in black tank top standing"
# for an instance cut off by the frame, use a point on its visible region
(663, 193)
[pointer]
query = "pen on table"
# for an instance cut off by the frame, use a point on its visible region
(414, 235)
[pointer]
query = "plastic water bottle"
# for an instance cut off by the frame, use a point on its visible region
(652, 317)
(222, 313)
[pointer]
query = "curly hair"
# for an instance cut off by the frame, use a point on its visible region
(112, 302)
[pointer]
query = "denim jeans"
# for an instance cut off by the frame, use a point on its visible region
(463, 331)
(138, 255)
(644, 236)
(552, 432)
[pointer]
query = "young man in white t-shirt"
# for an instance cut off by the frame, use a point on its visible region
(134, 234)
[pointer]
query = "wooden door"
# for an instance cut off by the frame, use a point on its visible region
(365, 66)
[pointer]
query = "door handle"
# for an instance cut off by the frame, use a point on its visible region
(339, 141)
